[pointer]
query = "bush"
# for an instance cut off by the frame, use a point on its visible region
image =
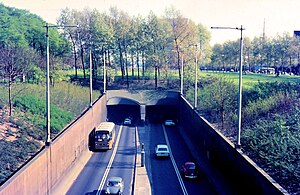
(273, 142)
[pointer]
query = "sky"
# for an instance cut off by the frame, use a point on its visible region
(277, 17)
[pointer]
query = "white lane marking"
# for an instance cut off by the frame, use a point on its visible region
(174, 164)
(133, 176)
(101, 185)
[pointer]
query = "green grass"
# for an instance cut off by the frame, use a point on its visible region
(251, 79)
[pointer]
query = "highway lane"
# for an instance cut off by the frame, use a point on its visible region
(163, 177)
(124, 161)
(89, 180)
(181, 154)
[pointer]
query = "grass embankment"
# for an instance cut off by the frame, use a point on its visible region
(270, 132)
(251, 79)
(23, 133)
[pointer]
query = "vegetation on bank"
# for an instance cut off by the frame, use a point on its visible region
(270, 121)
(23, 133)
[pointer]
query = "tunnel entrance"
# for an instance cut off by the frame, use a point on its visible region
(152, 105)
(118, 108)
(159, 110)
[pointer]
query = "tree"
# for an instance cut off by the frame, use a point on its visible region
(155, 43)
(14, 62)
(181, 34)
(69, 17)
(218, 99)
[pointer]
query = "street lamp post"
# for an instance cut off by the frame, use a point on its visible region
(238, 141)
(196, 79)
(48, 140)
(104, 72)
(91, 78)
(181, 78)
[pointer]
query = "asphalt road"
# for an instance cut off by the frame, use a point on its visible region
(163, 177)
(91, 180)
(163, 174)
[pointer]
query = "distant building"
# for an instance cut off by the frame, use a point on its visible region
(264, 70)
(297, 33)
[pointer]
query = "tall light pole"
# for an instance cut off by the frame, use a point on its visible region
(181, 78)
(91, 78)
(48, 140)
(104, 72)
(238, 141)
(196, 79)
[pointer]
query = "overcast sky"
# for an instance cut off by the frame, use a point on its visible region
(281, 16)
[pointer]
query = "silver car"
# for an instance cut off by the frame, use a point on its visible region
(115, 185)
(127, 121)
(169, 123)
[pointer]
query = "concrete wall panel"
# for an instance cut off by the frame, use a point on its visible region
(239, 172)
(47, 168)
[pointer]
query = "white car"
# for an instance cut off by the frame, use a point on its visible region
(115, 185)
(127, 121)
(162, 150)
(169, 123)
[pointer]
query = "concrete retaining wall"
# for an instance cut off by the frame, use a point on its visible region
(47, 168)
(241, 174)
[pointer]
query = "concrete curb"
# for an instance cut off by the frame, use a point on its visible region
(142, 183)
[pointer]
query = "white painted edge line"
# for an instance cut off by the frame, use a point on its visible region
(174, 164)
(101, 185)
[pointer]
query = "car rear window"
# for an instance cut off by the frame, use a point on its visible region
(191, 166)
(162, 149)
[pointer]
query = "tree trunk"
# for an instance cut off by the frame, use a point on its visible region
(137, 64)
(143, 65)
(75, 55)
(9, 95)
(155, 77)
(82, 60)
(178, 57)
(121, 61)
(126, 64)
(108, 57)
(132, 66)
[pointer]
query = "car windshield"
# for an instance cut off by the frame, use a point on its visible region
(113, 183)
(190, 166)
(102, 135)
(162, 149)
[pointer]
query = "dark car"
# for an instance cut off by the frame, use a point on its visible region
(189, 170)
